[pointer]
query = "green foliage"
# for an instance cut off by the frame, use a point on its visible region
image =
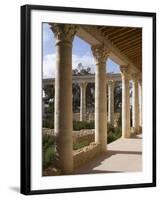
(49, 92)
(90, 97)
(114, 134)
(81, 70)
(77, 125)
(49, 152)
(49, 143)
(80, 145)
(76, 97)
(119, 122)
(118, 97)
(48, 122)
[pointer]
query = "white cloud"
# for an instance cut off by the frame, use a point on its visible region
(49, 63)
(47, 33)
(86, 60)
(49, 66)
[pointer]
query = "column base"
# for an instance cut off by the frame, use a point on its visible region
(136, 131)
(63, 168)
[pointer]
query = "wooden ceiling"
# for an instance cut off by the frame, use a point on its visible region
(127, 39)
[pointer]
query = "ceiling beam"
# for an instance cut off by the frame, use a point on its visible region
(114, 36)
(134, 39)
(132, 49)
(129, 44)
(134, 45)
(130, 35)
(115, 32)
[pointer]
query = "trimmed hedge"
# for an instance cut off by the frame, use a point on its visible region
(78, 125)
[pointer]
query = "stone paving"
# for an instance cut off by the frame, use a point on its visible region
(123, 155)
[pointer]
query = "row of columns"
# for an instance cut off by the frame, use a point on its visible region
(136, 102)
(64, 35)
(83, 86)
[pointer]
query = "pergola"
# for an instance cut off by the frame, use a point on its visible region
(123, 45)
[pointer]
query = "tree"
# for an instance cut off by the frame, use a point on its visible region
(48, 118)
(81, 70)
(118, 97)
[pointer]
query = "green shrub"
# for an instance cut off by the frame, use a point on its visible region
(114, 135)
(48, 122)
(80, 145)
(78, 125)
(110, 128)
(49, 152)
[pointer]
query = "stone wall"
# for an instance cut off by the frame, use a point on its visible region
(47, 131)
(85, 154)
(76, 116)
(83, 135)
(78, 136)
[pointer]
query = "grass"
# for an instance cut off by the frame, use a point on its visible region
(49, 152)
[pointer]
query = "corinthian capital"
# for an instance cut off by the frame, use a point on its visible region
(100, 53)
(125, 71)
(64, 32)
(135, 77)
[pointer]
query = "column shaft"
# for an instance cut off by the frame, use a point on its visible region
(125, 103)
(83, 101)
(111, 103)
(100, 97)
(63, 96)
(140, 104)
(135, 109)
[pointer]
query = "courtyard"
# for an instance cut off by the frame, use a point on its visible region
(103, 103)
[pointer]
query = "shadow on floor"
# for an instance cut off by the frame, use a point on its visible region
(89, 167)
(97, 172)
(136, 137)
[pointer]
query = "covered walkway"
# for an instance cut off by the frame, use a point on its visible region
(123, 155)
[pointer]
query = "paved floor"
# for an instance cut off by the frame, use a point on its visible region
(123, 155)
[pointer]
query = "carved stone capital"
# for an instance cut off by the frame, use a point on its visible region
(125, 71)
(111, 83)
(83, 85)
(64, 32)
(135, 77)
(100, 53)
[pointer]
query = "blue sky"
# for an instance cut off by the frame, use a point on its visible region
(81, 53)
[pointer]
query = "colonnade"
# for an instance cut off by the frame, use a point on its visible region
(64, 35)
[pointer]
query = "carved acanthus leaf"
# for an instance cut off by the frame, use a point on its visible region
(100, 52)
(64, 32)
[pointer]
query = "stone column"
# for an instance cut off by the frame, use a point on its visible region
(140, 103)
(100, 54)
(43, 108)
(111, 102)
(135, 106)
(125, 102)
(83, 101)
(64, 35)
